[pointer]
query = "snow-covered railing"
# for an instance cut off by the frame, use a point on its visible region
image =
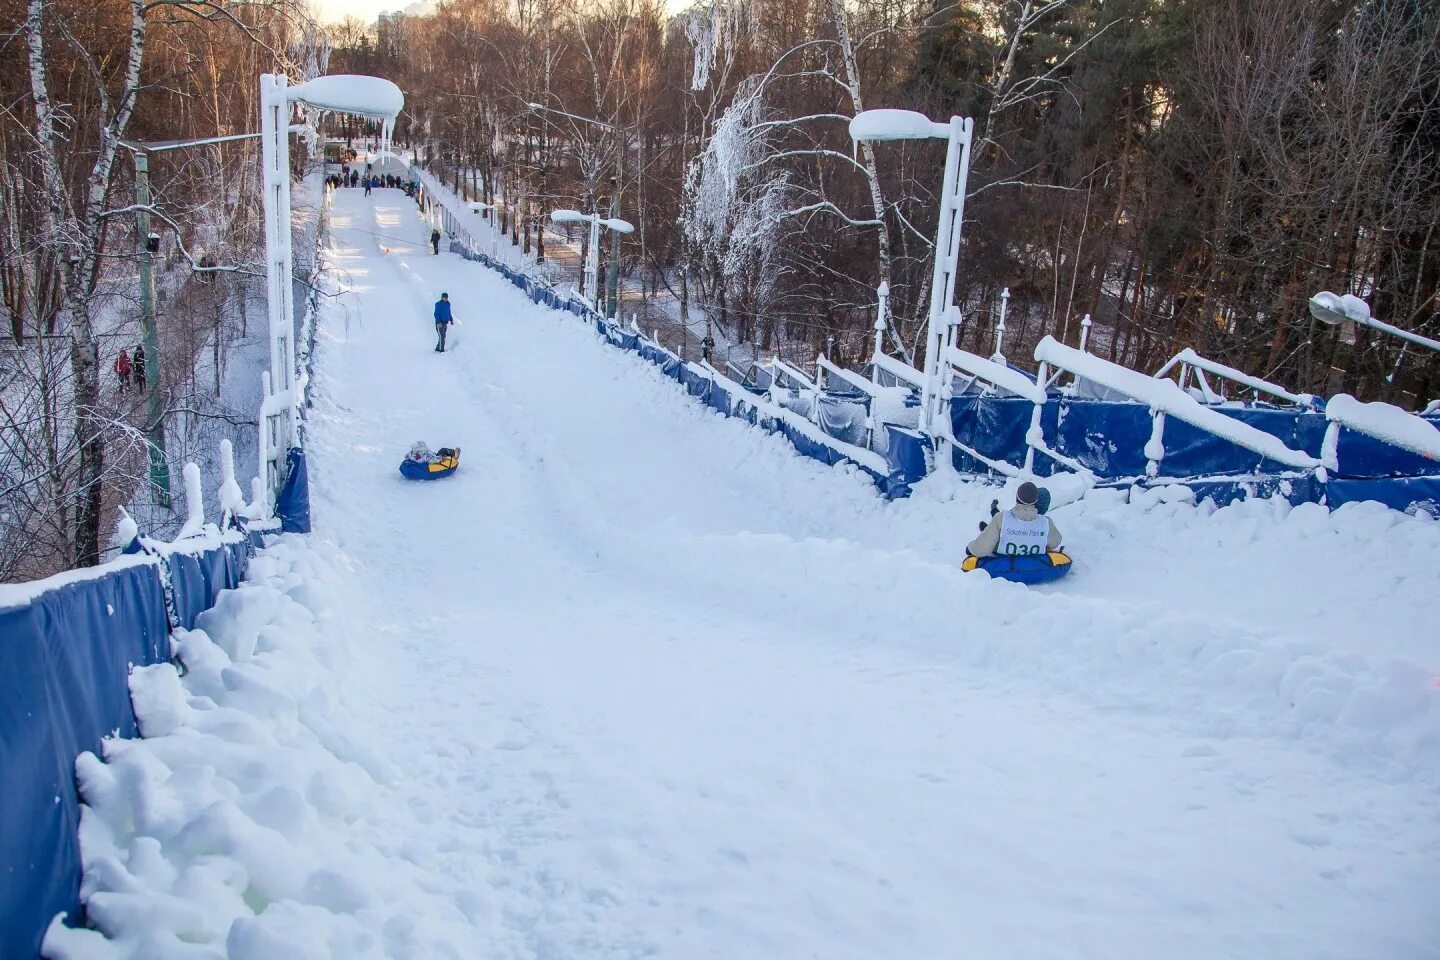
(898, 371)
(825, 368)
(1191, 362)
(1165, 399)
(992, 375)
(1383, 421)
(989, 374)
(868, 459)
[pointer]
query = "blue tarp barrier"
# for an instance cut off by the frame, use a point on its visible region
(995, 427)
(668, 363)
(697, 384)
(843, 417)
(624, 339)
(1401, 493)
(292, 506)
(1363, 456)
(66, 657)
(908, 454)
(197, 579)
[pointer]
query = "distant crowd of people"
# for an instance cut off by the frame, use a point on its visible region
(349, 177)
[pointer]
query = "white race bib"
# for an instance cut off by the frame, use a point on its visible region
(1022, 537)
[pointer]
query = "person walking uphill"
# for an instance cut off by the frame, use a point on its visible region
(443, 319)
(435, 241)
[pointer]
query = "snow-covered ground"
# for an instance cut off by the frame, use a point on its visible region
(641, 681)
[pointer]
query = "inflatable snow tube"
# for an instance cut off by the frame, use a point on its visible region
(415, 470)
(1033, 568)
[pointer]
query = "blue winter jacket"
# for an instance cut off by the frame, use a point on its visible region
(442, 312)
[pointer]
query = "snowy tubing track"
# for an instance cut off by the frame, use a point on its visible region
(640, 681)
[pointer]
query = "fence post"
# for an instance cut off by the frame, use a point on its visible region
(232, 500)
(1155, 446)
(194, 504)
(999, 355)
(882, 310)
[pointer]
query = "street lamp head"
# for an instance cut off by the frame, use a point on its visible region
(535, 106)
(568, 216)
(350, 93)
(618, 225)
(896, 125)
(1331, 308)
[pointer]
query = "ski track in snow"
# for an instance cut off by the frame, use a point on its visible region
(641, 681)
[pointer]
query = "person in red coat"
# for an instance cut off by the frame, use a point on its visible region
(122, 369)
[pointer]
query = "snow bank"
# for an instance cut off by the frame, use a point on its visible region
(230, 830)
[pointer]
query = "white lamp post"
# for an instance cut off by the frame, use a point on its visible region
(622, 137)
(909, 125)
(361, 96)
(592, 261)
(1330, 308)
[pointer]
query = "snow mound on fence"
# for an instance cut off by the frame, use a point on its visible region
(230, 830)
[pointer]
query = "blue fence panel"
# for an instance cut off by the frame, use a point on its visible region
(624, 339)
(697, 384)
(908, 454)
(1401, 493)
(668, 363)
(843, 417)
(1362, 456)
(719, 398)
(995, 427)
(292, 505)
(65, 659)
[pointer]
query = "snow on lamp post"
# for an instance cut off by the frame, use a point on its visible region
(592, 260)
(357, 95)
(875, 125)
(1330, 308)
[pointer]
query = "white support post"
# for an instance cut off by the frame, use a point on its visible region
(194, 504)
(592, 264)
(1330, 450)
(882, 317)
(1155, 446)
(1034, 435)
(999, 355)
(275, 163)
(1084, 331)
(947, 256)
(232, 499)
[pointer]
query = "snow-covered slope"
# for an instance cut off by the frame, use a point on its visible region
(641, 681)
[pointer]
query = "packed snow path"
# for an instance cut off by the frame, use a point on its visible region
(641, 681)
